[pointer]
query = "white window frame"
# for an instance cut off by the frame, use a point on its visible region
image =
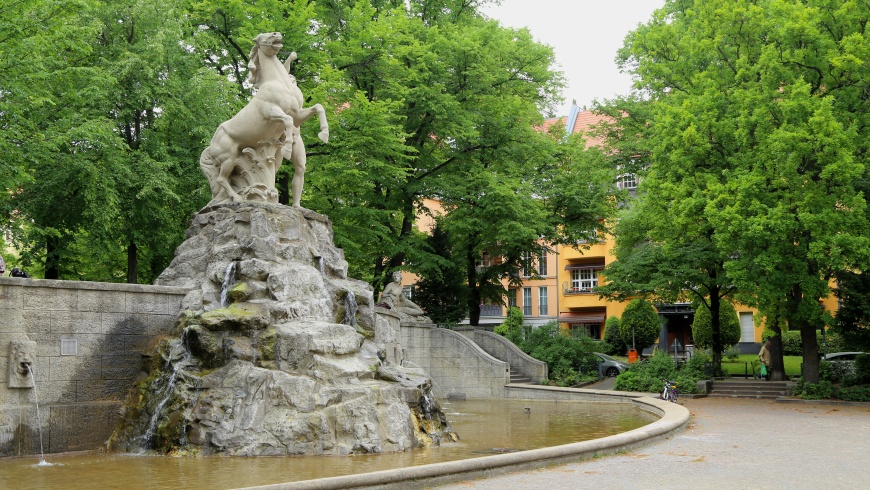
(543, 303)
(584, 279)
(527, 301)
(542, 263)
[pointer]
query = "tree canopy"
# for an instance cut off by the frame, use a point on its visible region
(756, 121)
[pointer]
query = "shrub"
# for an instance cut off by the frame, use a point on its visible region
(617, 346)
(729, 326)
(862, 368)
(640, 317)
(512, 328)
(810, 391)
(854, 394)
(569, 360)
(647, 376)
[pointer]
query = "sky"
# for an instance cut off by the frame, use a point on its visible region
(585, 35)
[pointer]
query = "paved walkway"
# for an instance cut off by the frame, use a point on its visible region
(731, 444)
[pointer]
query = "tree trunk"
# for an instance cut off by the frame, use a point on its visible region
(473, 289)
(777, 367)
(715, 326)
(132, 263)
(810, 348)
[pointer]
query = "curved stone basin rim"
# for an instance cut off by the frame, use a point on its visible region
(674, 418)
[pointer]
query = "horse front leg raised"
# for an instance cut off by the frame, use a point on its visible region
(305, 114)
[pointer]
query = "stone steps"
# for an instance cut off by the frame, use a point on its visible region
(748, 389)
(517, 377)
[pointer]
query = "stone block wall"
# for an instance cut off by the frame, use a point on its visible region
(90, 340)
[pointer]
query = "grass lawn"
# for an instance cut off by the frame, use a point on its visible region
(744, 364)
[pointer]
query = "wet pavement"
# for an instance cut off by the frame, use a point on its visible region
(729, 443)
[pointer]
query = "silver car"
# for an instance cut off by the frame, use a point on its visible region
(610, 367)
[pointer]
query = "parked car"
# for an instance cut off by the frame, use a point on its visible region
(842, 356)
(843, 362)
(610, 367)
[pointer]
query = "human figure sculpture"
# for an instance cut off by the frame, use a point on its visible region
(393, 298)
(245, 152)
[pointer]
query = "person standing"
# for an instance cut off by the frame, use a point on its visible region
(764, 357)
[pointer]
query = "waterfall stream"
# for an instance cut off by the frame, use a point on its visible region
(42, 461)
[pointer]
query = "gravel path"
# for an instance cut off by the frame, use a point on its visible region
(729, 443)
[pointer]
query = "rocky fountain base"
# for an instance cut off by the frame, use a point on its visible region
(278, 351)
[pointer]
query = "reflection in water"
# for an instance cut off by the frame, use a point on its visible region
(484, 427)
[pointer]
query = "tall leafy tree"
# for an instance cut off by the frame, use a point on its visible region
(127, 112)
(762, 106)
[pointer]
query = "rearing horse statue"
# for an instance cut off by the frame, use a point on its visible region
(245, 152)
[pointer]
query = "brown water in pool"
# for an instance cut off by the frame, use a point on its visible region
(484, 426)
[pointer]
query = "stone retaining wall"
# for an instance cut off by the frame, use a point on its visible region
(90, 339)
(502, 348)
(458, 367)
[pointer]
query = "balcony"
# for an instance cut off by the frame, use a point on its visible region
(490, 310)
(569, 291)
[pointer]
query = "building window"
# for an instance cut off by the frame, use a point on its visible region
(591, 330)
(584, 279)
(527, 301)
(542, 263)
(542, 301)
(626, 181)
(408, 291)
(526, 264)
(485, 260)
(747, 327)
(512, 298)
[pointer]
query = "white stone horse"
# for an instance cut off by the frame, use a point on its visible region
(274, 114)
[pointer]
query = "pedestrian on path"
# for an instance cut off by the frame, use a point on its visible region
(764, 357)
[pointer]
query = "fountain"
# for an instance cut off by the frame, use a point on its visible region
(276, 350)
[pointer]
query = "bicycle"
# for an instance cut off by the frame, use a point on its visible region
(670, 392)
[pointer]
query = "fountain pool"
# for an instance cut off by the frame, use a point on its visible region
(485, 427)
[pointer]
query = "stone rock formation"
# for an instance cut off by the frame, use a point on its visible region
(278, 351)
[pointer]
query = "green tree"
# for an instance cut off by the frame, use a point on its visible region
(613, 337)
(729, 325)
(126, 111)
(512, 328)
(441, 290)
(764, 107)
(853, 317)
(640, 325)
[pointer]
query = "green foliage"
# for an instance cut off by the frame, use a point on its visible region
(613, 339)
(641, 321)
(441, 290)
(512, 327)
(729, 326)
(862, 368)
(791, 341)
(569, 360)
(814, 391)
(853, 316)
(754, 155)
(649, 376)
(854, 394)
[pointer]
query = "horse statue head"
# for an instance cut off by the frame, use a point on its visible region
(271, 43)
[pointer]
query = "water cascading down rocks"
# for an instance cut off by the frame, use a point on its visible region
(277, 351)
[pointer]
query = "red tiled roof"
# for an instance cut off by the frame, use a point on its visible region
(585, 121)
